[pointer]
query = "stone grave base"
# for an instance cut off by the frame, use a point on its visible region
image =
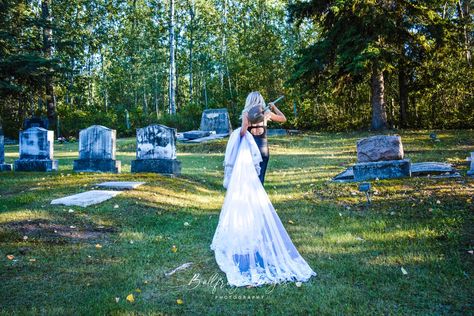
(382, 170)
(36, 165)
(166, 166)
(97, 165)
(5, 167)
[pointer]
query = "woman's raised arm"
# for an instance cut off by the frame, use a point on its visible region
(278, 116)
(245, 124)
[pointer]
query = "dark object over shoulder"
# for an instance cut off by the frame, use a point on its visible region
(256, 114)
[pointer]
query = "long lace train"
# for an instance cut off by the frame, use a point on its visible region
(250, 243)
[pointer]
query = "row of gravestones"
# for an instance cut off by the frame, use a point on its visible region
(156, 151)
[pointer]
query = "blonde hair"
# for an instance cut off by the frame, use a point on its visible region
(253, 99)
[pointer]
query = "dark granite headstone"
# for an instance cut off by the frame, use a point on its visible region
(35, 121)
(36, 150)
(216, 120)
(97, 150)
(156, 150)
(3, 166)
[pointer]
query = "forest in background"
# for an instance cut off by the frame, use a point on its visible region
(342, 65)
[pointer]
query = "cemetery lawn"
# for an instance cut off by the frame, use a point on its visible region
(409, 253)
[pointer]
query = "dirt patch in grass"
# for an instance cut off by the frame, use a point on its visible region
(48, 231)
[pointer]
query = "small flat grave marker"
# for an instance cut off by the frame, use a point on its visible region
(87, 198)
(120, 185)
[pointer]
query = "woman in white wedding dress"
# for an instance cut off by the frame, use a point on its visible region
(250, 243)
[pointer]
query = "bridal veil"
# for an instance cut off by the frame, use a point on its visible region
(250, 243)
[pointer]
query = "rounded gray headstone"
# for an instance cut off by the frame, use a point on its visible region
(97, 142)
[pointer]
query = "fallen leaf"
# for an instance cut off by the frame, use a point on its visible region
(117, 299)
(72, 227)
(25, 237)
(32, 260)
(10, 257)
(291, 222)
(98, 246)
(116, 206)
(138, 290)
(404, 271)
(179, 301)
(71, 211)
(174, 248)
(186, 224)
(471, 252)
(130, 298)
(298, 284)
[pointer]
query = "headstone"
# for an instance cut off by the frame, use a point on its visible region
(35, 121)
(196, 134)
(86, 198)
(120, 185)
(36, 150)
(156, 150)
(471, 171)
(3, 166)
(216, 120)
(97, 150)
(382, 170)
(381, 157)
(377, 148)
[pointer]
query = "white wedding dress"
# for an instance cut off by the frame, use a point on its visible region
(250, 243)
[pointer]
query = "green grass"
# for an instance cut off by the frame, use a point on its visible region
(424, 225)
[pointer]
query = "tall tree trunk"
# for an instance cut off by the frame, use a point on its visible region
(379, 115)
(205, 92)
(223, 47)
(191, 43)
(465, 16)
(172, 76)
(145, 102)
(403, 95)
(47, 50)
(156, 92)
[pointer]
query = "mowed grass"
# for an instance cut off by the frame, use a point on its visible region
(86, 261)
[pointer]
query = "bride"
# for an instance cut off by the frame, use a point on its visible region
(250, 243)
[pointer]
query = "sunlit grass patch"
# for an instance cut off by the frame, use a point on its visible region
(126, 245)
